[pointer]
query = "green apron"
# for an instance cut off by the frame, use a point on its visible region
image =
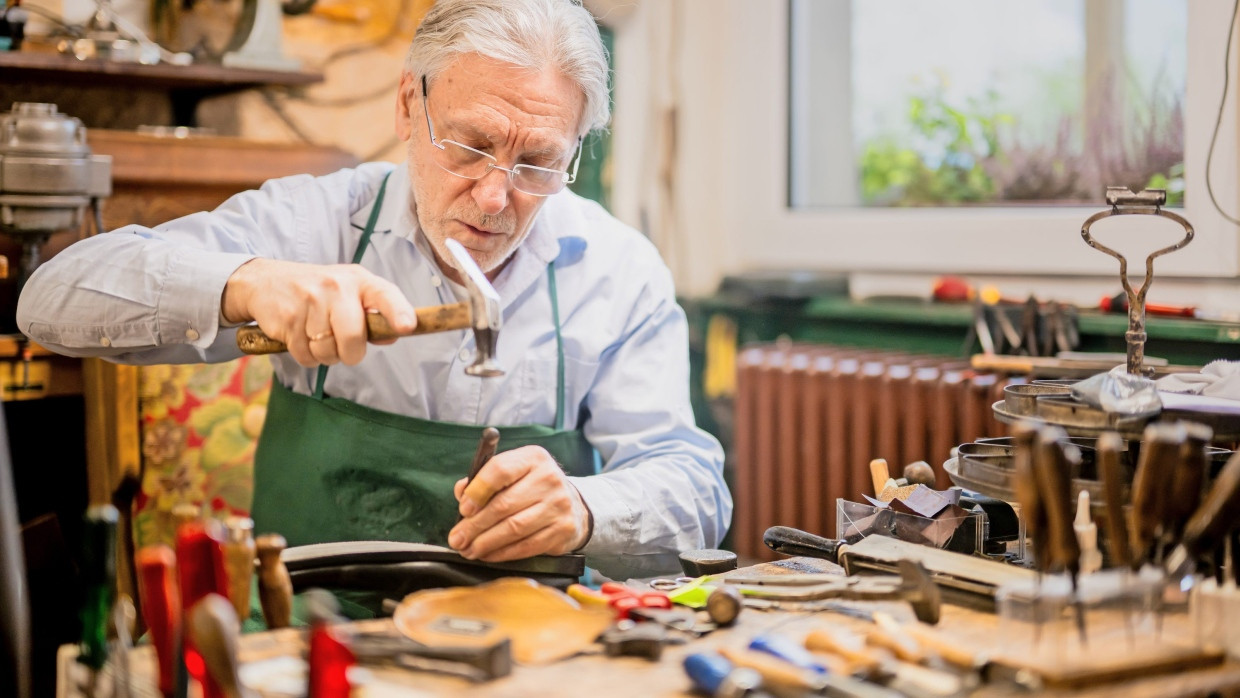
(328, 469)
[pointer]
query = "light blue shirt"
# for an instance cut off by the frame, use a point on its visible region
(146, 296)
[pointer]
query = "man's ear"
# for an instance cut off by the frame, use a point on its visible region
(405, 96)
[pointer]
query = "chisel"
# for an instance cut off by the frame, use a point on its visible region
(1053, 472)
(1188, 482)
(487, 444)
(1209, 525)
(1109, 447)
(1032, 511)
(1151, 486)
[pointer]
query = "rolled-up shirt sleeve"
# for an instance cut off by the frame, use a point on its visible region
(152, 295)
(661, 490)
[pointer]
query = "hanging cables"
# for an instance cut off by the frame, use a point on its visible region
(1231, 27)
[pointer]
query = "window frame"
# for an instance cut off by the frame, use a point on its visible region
(992, 240)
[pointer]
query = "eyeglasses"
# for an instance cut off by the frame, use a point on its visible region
(470, 163)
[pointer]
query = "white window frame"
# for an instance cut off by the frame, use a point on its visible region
(731, 213)
(1010, 240)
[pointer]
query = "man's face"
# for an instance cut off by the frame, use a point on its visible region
(516, 115)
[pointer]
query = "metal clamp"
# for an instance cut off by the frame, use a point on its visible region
(1124, 202)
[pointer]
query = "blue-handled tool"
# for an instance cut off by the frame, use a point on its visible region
(789, 651)
(714, 675)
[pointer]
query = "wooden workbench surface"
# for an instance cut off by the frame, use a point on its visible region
(595, 675)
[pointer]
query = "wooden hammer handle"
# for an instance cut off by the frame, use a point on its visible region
(437, 318)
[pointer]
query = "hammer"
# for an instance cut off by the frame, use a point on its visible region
(480, 312)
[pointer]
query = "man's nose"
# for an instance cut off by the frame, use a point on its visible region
(491, 192)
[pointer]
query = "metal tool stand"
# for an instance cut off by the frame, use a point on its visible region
(1124, 202)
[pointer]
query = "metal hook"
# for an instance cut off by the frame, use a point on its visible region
(1124, 202)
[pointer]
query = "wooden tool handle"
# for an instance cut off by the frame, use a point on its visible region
(275, 588)
(1151, 485)
(948, 651)
(439, 318)
(1111, 471)
(1189, 479)
(1217, 513)
(1053, 475)
(239, 552)
(213, 628)
(848, 646)
(879, 475)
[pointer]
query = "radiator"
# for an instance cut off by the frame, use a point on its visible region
(809, 418)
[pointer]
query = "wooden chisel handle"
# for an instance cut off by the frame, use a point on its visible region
(275, 587)
(1026, 488)
(1189, 480)
(213, 627)
(239, 553)
(1218, 513)
(1109, 446)
(1053, 474)
(1151, 485)
(438, 318)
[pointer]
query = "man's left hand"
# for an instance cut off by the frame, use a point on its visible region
(519, 505)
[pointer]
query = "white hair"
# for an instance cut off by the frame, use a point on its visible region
(529, 33)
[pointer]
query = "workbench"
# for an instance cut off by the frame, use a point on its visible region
(596, 675)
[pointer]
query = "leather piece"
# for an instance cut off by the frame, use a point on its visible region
(543, 624)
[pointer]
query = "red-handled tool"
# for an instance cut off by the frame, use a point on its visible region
(622, 598)
(161, 608)
(200, 571)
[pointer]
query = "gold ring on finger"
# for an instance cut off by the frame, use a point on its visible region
(326, 334)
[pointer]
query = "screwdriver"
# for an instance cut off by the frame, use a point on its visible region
(1053, 469)
(99, 581)
(715, 676)
(161, 602)
(200, 571)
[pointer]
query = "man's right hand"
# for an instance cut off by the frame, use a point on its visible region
(319, 311)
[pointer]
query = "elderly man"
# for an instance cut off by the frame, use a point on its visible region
(372, 442)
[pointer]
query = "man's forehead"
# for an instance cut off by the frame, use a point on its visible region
(489, 96)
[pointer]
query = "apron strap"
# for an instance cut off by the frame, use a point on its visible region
(357, 258)
(559, 348)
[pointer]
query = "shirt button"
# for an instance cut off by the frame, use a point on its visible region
(105, 341)
(191, 334)
(436, 281)
(465, 355)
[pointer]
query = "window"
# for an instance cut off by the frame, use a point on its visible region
(945, 103)
(752, 174)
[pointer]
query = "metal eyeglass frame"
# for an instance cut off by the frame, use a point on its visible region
(566, 177)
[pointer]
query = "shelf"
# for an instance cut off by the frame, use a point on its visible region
(36, 66)
(183, 85)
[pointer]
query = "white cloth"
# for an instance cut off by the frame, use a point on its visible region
(142, 295)
(1219, 378)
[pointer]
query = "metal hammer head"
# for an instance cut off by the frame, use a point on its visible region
(920, 591)
(484, 309)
